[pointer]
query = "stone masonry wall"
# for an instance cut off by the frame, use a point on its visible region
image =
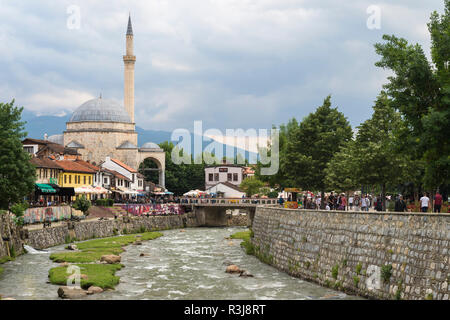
(49, 237)
(10, 236)
(376, 255)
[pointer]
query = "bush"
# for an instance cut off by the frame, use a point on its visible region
(109, 202)
(273, 194)
(82, 204)
(386, 273)
(18, 209)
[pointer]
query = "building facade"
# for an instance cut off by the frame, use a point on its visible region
(230, 173)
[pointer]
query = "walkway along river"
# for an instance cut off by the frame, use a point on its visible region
(179, 265)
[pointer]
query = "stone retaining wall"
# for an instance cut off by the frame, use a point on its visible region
(49, 237)
(12, 235)
(376, 255)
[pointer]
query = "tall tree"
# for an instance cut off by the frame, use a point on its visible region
(375, 157)
(281, 179)
(312, 144)
(420, 90)
(17, 174)
(341, 170)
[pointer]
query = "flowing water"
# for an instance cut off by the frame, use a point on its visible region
(179, 265)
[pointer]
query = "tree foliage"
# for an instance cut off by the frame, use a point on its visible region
(17, 174)
(251, 186)
(420, 91)
(313, 143)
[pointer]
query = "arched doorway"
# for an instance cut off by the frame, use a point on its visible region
(153, 171)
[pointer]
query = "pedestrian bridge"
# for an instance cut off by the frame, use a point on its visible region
(211, 212)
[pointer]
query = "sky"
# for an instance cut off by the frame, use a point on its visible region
(229, 63)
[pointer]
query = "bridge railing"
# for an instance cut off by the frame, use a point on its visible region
(230, 201)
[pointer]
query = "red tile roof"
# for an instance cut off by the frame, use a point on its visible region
(116, 174)
(87, 164)
(45, 163)
(73, 166)
(123, 165)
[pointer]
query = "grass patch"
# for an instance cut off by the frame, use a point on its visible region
(5, 259)
(99, 275)
(93, 250)
(244, 235)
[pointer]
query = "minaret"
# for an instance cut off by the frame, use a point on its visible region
(129, 59)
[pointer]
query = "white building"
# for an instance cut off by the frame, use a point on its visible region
(231, 173)
(226, 190)
(135, 180)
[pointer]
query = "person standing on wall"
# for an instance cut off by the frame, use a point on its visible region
(424, 202)
(350, 202)
(437, 202)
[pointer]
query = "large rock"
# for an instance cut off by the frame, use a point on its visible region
(245, 274)
(65, 292)
(72, 247)
(233, 269)
(110, 258)
(94, 290)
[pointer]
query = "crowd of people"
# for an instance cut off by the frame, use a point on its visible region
(363, 202)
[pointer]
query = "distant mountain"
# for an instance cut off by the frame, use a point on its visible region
(37, 126)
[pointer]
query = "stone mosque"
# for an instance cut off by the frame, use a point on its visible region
(102, 128)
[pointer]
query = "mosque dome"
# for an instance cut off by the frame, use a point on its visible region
(101, 110)
(150, 146)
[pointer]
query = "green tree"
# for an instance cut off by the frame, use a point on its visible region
(375, 158)
(420, 90)
(312, 145)
(340, 173)
(17, 174)
(251, 186)
(82, 204)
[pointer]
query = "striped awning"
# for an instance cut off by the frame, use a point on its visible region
(45, 188)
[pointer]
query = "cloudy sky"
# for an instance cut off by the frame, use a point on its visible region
(231, 63)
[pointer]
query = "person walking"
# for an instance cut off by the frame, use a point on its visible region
(350, 202)
(400, 204)
(281, 201)
(437, 202)
(357, 203)
(363, 203)
(424, 202)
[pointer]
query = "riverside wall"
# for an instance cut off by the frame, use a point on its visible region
(11, 236)
(372, 254)
(84, 230)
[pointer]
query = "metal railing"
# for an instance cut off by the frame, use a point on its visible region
(228, 201)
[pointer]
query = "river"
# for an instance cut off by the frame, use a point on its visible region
(180, 265)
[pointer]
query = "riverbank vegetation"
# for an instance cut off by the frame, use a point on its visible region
(93, 250)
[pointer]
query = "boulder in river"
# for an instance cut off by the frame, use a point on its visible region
(94, 290)
(65, 292)
(110, 258)
(245, 274)
(72, 247)
(138, 243)
(143, 255)
(233, 269)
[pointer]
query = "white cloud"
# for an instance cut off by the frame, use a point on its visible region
(230, 63)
